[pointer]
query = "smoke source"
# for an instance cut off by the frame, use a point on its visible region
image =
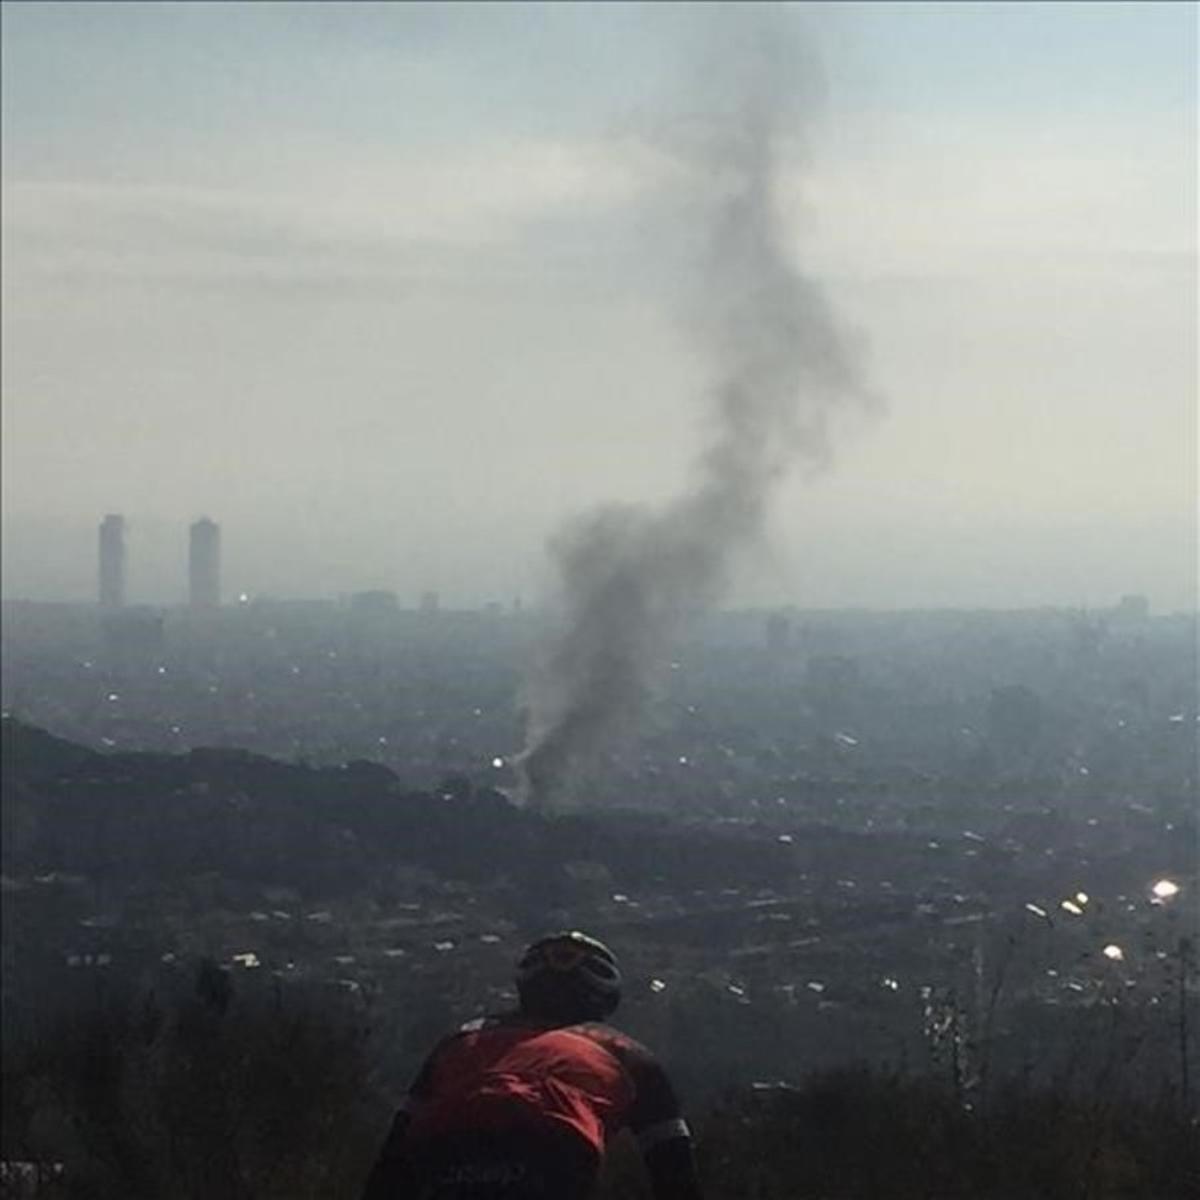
(780, 368)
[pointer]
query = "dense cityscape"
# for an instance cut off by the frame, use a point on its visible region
(841, 833)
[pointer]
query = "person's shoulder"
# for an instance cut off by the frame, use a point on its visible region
(620, 1043)
(654, 1114)
(448, 1052)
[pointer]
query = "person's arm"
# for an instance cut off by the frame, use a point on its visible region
(656, 1121)
(667, 1152)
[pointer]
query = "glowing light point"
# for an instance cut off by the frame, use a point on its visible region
(1081, 897)
(1071, 907)
(1114, 953)
(1164, 889)
(497, 762)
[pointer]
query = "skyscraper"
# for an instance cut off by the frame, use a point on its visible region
(204, 564)
(112, 561)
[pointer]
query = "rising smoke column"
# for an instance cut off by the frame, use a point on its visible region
(631, 576)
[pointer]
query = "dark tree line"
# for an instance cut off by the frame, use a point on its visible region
(329, 831)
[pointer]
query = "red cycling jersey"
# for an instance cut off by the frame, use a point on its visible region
(511, 1072)
(503, 1076)
(529, 1098)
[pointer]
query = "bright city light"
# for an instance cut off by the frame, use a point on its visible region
(1113, 952)
(1164, 889)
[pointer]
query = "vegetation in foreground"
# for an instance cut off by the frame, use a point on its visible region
(204, 1096)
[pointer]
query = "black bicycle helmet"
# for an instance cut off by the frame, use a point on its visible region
(568, 976)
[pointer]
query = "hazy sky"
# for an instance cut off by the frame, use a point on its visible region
(385, 290)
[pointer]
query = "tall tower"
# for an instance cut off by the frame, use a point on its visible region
(204, 564)
(112, 561)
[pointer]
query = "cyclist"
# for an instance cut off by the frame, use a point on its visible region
(521, 1106)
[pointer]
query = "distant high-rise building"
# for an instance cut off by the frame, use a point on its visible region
(204, 564)
(112, 561)
(430, 602)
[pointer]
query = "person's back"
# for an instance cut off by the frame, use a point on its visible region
(522, 1106)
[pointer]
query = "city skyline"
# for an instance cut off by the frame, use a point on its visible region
(201, 585)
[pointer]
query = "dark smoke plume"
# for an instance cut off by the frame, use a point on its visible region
(631, 576)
